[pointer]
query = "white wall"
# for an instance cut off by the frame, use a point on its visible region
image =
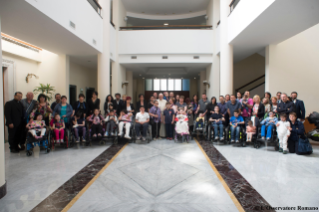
(12, 48)
(293, 66)
(244, 14)
(165, 42)
(89, 24)
(113, 43)
(83, 77)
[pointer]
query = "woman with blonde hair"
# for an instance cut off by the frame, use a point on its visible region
(267, 105)
(258, 108)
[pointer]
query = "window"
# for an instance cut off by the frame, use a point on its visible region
(167, 84)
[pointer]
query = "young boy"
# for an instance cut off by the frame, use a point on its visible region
(111, 123)
(79, 126)
(169, 121)
(235, 121)
(200, 121)
(268, 122)
(283, 132)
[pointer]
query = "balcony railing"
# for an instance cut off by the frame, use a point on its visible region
(163, 27)
(233, 4)
(96, 6)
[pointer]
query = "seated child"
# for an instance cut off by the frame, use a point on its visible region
(110, 107)
(250, 131)
(283, 132)
(58, 128)
(268, 122)
(216, 120)
(200, 121)
(97, 122)
(125, 120)
(235, 121)
(37, 126)
(181, 123)
(79, 126)
(111, 122)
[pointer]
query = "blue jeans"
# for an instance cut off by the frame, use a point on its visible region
(269, 131)
(221, 129)
(138, 128)
(233, 130)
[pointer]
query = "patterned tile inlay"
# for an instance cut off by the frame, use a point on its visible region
(60, 198)
(247, 196)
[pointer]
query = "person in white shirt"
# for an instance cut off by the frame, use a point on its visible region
(283, 133)
(141, 122)
(162, 105)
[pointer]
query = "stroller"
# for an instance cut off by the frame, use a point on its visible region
(32, 142)
(182, 128)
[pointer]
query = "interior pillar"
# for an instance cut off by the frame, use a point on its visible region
(270, 60)
(129, 87)
(3, 185)
(226, 51)
(103, 69)
(202, 87)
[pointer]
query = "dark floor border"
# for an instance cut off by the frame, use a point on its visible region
(61, 197)
(3, 190)
(246, 195)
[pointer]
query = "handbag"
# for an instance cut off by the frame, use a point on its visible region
(303, 146)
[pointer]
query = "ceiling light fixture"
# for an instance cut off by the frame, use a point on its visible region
(166, 24)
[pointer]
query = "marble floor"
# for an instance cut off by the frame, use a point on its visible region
(160, 176)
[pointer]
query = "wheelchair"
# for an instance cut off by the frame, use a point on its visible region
(52, 138)
(274, 141)
(102, 139)
(148, 137)
(211, 134)
(31, 142)
(202, 131)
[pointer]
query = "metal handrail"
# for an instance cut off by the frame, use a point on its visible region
(233, 4)
(96, 6)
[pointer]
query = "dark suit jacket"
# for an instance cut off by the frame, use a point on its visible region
(261, 111)
(138, 105)
(300, 109)
(287, 108)
(118, 106)
(14, 113)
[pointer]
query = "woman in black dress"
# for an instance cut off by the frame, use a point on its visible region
(141, 102)
(93, 103)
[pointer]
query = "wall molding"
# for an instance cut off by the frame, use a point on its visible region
(166, 17)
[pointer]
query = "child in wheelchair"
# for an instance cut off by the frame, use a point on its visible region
(58, 128)
(235, 122)
(216, 120)
(125, 119)
(200, 121)
(269, 123)
(96, 121)
(181, 127)
(79, 126)
(250, 131)
(37, 126)
(111, 123)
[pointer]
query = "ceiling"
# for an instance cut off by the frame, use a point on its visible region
(165, 7)
(172, 70)
(146, 22)
(89, 62)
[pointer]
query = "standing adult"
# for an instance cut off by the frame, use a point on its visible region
(190, 115)
(227, 98)
(299, 106)
(166, 97)
(118, 103)
(195, 103)
(155, 96)
(57, 101)
(267, 95)
(202, 104)
(274, 105)
(278, 96)
(80, 106)
(129, 108)
(141, 103)
(171, 95)
(93, 103)
(155, 114)
(44, 108)
(238, 96)
(109, 100)
(162, 105)
(64, 109)
(285, 106)
(14, 114)
(28, 105)
(233, 105)
(246, 106)
(296, 129)
(222, 106)
(181, 104)
(151, 103)
(210, 108)
(177, 99)
(173, 105)
(258, 108)
(142, 119)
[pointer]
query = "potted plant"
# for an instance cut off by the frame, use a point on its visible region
(46, 90)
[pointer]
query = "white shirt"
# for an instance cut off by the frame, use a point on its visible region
(142, 117)
(282, 129)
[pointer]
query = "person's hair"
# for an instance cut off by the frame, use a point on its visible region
(283, 115)
(42, 95)
(81, 95)
(173, 99)
(118, 94)
(293, 113)
(181, 97)
(38, 114)
(274, 98)
(194, 98)
(64, 97)
(290, 99)
(212, 99)
(95, 92)
(124, 111)
(128, 98)
(95, 110)
(111, 111)
(266, 100)
(232, 95)
(268, 94)
(227, 95)
(294, 92)
(257, 96)
(284, 94)
(167, 103)
(187, 100)
(78, 114)
(236, 111)
(57, 94)
(279, 92)
(56, 115)
(221, 96)
(107, 97)
(139, 96)
(239, 93)
(142, 107)
(18, 92)
(218, 108)
(250, 122)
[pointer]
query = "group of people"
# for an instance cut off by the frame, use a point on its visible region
(162, 112)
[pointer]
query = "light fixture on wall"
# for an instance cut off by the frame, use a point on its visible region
(166, 24)
(125, 83)
(206, 83)
(206, 17)
(30, 76)
(125, 18)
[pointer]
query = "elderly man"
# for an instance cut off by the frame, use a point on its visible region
(285, 106)
(278, 97)
(142, 120)
(14, 114)
(162, 106)
(28, 104)
(57, 101)
(299, 106)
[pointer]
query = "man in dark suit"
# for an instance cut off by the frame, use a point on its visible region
(14, 114)
(299, 106)
(118, 104)
(278, 97)
(285, 106)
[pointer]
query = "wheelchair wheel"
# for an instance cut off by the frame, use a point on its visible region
(29, 153)
(47, 150)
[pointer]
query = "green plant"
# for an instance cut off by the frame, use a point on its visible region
(46, 90)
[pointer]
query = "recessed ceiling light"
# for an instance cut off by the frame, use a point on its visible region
(166, 24)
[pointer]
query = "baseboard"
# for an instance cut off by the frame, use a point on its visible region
(3, 190)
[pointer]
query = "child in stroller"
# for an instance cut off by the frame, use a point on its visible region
(37, 126)
(97, 123)
(111, 123)
(181, 127)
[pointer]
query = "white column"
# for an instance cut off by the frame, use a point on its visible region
(129, 87)
(103, 70)
(226, 51)
(270, 65)
(2, 152)
(67, 76)
(202, 88)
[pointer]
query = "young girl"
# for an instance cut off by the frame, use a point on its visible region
(250, 130)
(111, 121)
(97, 123)
(58, 128)
(36, 126)
(283, 132)
(182, 123)
(125, 119)
(79, 126)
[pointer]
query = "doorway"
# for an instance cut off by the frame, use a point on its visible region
(72, 92)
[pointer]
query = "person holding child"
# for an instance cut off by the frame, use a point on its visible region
(97, 122)
(58, 128)
(125, 121)
(37, 125)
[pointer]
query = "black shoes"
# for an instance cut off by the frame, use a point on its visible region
(14, 150)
